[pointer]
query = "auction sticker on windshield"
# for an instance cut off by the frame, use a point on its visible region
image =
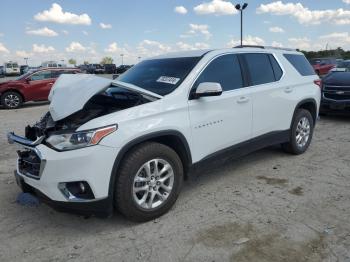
(168, 80)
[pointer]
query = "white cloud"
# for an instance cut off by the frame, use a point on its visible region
(276, 29)
(42, 32)
(55, 14)
(248, 40)
(148, 48)
(105, 26)
(215, 7)
(346, 2)
(184, 46)
(180, 10)
(3, 49)
(75, 47)
(276, 44)
(112, 48)
(336, 40)
(202, 29)
(303, 43)
(304, 15)
(42, 48)
(23, 54)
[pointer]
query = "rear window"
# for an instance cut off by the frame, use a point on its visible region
(300, 63)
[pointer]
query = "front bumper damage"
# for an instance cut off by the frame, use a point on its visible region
(55, 177)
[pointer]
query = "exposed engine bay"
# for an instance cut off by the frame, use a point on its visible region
(111, 100)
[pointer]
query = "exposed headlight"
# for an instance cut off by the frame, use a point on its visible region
(70, 141)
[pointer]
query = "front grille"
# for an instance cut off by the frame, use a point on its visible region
(29, 164)
(338, 93)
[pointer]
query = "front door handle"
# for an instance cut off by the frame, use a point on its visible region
(288, 89)
(242, 99)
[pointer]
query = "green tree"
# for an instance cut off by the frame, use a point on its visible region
(107, 60)
(72, 61)
(86, 62)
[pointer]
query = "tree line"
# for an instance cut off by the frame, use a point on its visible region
(338, 53)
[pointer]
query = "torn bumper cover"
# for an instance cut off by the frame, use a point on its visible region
(57, 178)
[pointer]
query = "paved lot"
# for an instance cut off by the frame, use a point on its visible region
(264, 207)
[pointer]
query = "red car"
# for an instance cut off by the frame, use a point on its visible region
(323, 65)
(33, 86)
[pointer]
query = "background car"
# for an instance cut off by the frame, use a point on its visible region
(11, 68)
(95, 69)
(110, 68)
(343, 66)
(336, 93)
(23, 69)
(123, 68)
(2, 72)
(323, 65)
(35, 85)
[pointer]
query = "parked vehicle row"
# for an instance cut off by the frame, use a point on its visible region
(104, 69)
(129, 143)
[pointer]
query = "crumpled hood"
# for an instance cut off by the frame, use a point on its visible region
(71, 92)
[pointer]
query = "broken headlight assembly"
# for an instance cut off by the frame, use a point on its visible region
(79, 139)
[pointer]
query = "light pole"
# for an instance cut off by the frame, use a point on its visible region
(240, 9)
(122, 56)
(26, 59)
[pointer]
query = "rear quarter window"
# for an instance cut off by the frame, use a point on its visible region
(300, 63)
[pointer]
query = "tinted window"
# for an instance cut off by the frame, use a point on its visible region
(300, 63)
(224, 70)
(41, 75)
(260, 69)
(276, 68)
(161, 76)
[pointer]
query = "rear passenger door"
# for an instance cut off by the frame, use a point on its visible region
(221, 121)
(272, 101)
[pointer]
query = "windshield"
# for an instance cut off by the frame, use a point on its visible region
(29, 72)
(160, 76)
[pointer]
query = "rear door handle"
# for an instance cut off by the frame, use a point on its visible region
(242, 99)
(288, 89)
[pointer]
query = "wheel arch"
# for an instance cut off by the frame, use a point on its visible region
(307, 104)
(172, 138)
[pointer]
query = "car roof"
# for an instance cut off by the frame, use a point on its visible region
(199, 53)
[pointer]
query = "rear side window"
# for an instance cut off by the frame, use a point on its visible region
(300, 63)
(42, 75)
(225, 70)
(260, 68)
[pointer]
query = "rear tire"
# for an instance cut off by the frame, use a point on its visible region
(300, 133)
(149, 182)
(11, 100)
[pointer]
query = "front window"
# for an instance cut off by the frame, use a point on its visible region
(160, 76)
(8, 65)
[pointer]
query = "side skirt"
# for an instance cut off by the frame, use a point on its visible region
(247, 147)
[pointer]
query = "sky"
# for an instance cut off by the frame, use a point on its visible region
(88, 30)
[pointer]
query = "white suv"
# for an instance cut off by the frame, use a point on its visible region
(129, 143)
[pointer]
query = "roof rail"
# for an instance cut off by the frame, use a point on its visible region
(265, 47)
(251, 46)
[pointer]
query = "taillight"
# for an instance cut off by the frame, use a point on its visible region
(318, 82)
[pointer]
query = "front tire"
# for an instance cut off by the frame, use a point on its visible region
(149, 182)
(11, 100)
(300, 133)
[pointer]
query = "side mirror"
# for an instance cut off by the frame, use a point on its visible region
(208, 89)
